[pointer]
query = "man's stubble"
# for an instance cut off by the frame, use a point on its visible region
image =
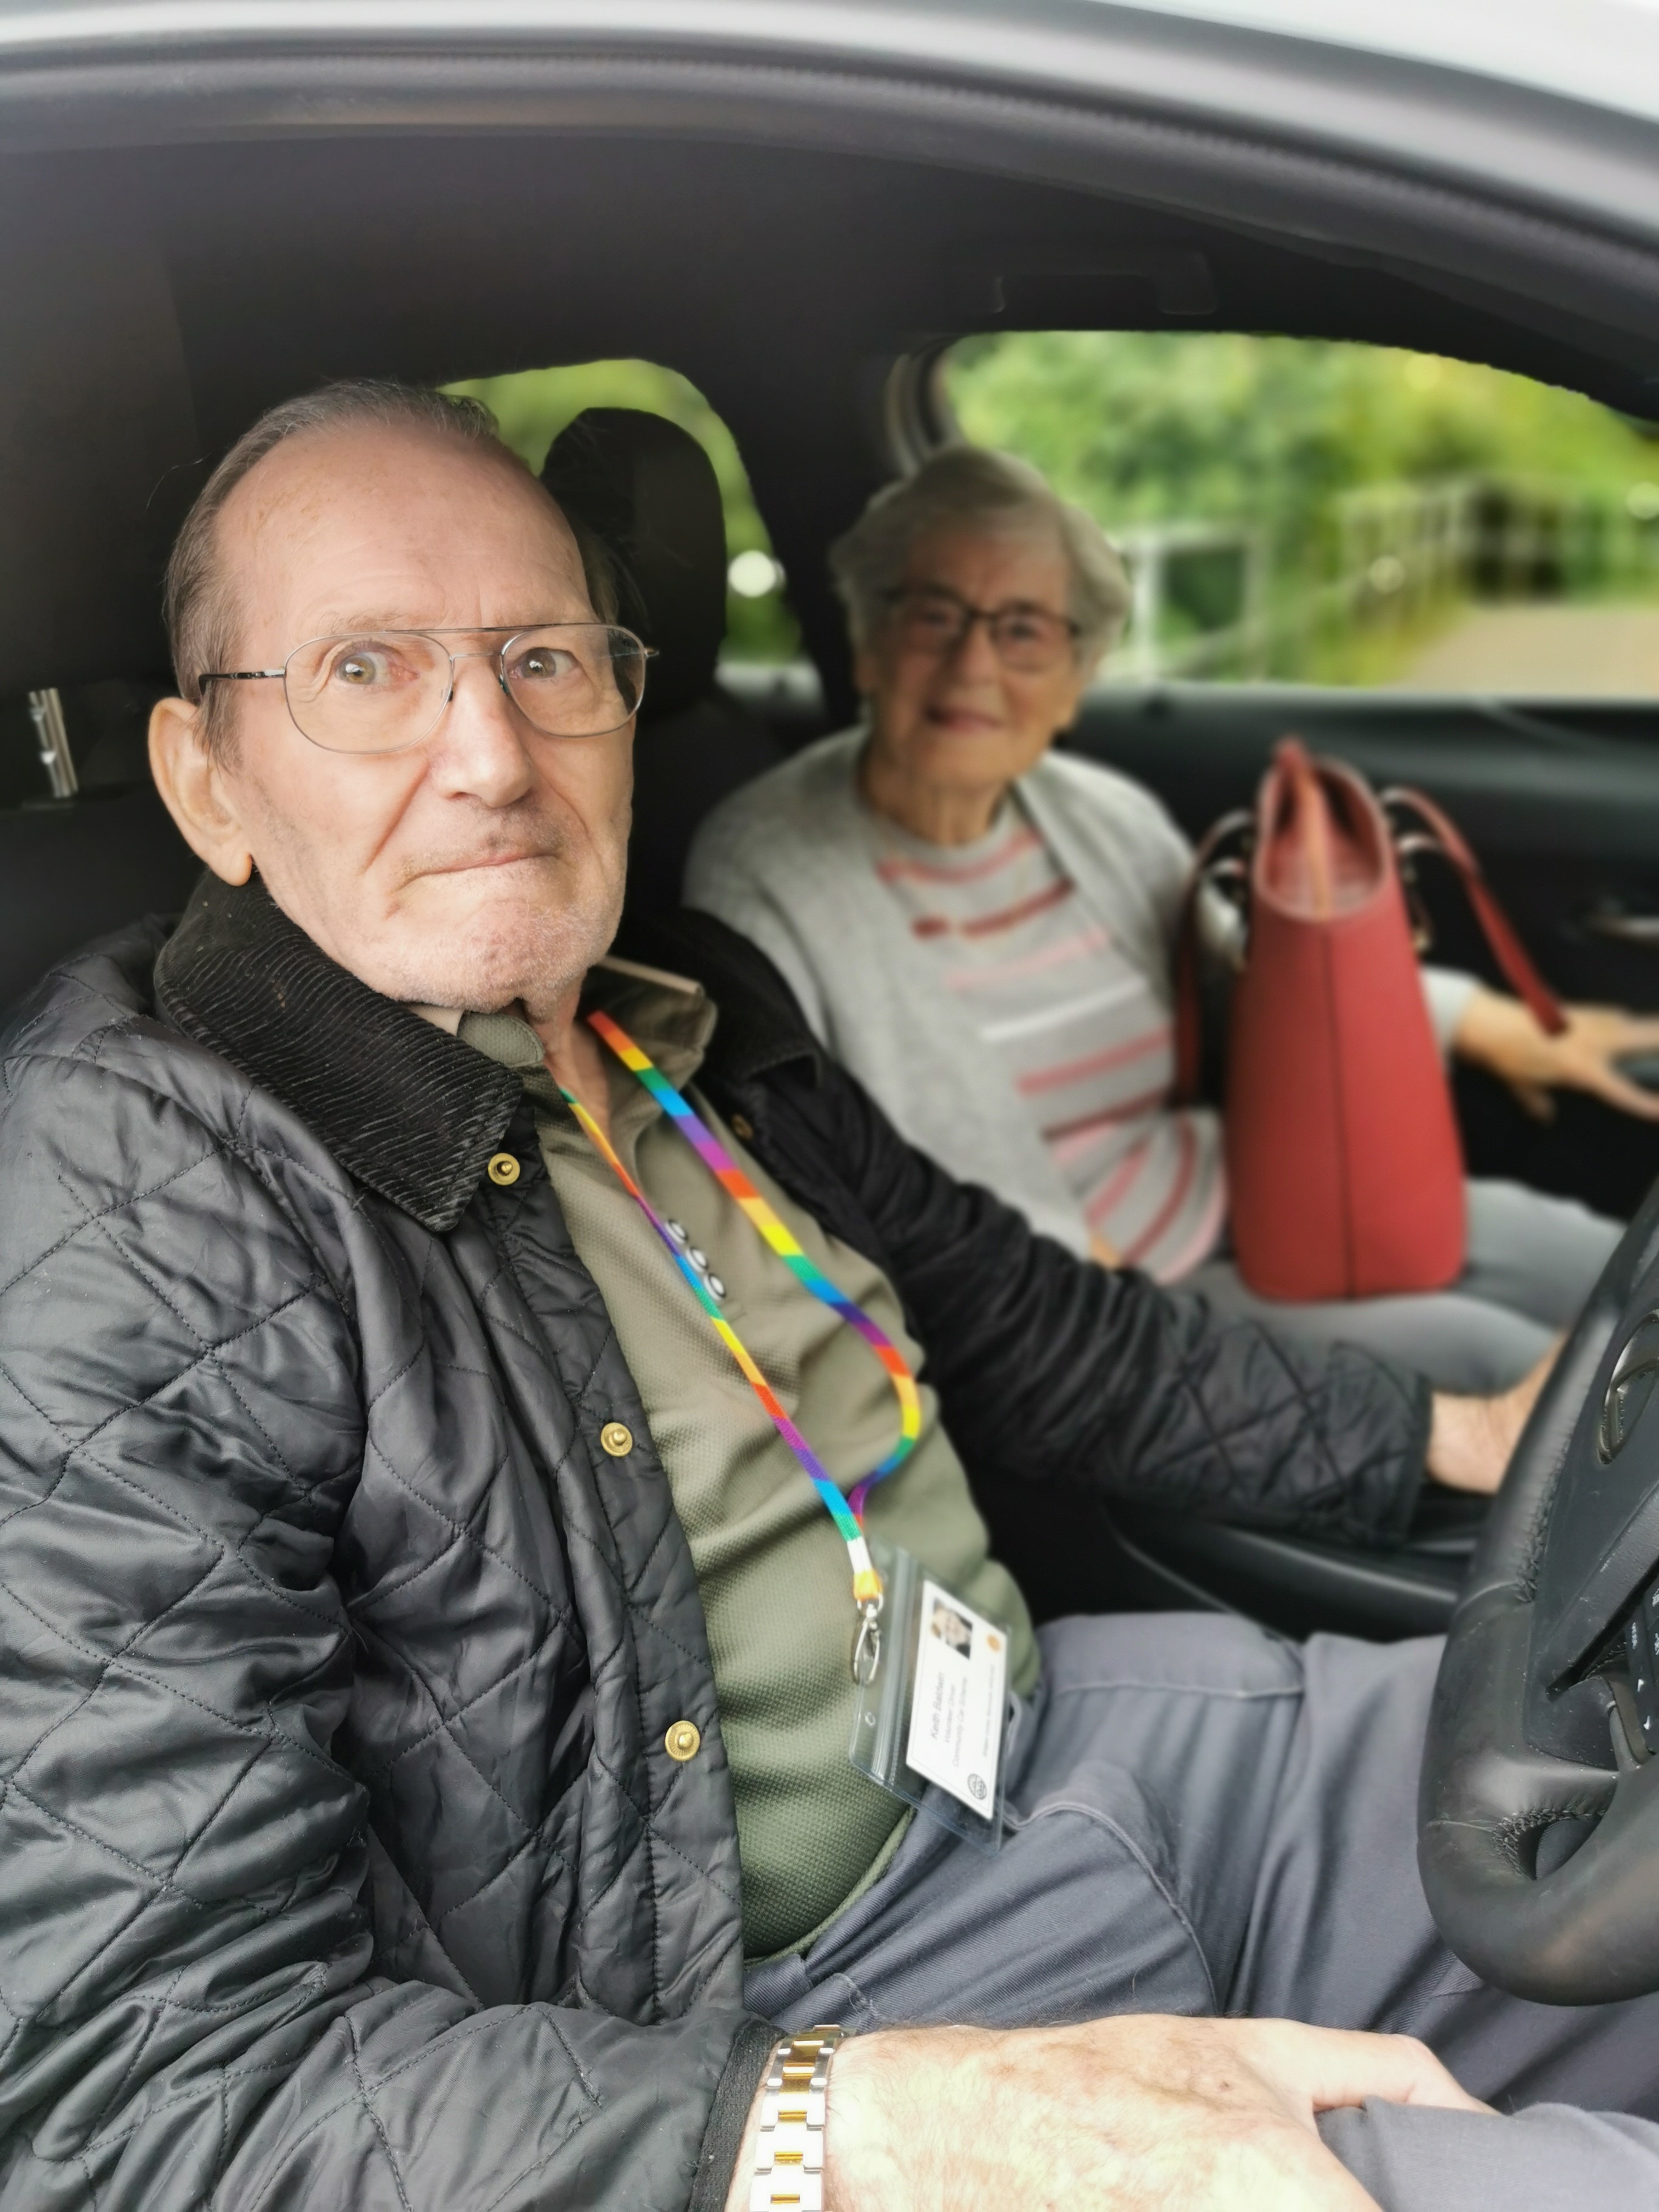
(530, 945)
(531, 951)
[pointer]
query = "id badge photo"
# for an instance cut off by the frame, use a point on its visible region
(932, 1721)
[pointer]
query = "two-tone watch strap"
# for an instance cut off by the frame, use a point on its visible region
(789, 2154)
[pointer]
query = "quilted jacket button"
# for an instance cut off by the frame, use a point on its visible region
(502, 1169)
(742, 1127)
(683, 1740)
(618, 1440)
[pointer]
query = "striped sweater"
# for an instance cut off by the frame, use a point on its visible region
(1082, 1031)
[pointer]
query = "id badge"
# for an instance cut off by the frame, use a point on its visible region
(931, 1722)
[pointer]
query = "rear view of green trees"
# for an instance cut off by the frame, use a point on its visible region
(1343, 461)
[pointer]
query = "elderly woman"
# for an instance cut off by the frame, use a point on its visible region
(981, 929)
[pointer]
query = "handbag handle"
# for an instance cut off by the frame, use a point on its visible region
(1512, 957)
(1188, 1008)
(1441, 836)
(1299, 782)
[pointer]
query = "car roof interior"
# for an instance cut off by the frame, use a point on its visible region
(804, 291)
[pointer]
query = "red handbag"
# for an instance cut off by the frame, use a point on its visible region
(1343, 1165)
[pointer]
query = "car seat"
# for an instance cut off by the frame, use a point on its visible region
(72, 869)
(647, 492)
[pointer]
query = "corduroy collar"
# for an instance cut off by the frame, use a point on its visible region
(403, 1106)
(406, 1108)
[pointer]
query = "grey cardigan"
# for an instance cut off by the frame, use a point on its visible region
(789, 861)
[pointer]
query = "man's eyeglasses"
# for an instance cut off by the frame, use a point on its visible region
(382, 691)
(1028, 639)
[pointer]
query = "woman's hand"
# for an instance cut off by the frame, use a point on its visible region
(1500, 1034)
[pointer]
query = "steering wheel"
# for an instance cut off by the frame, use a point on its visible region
(1538, 1810)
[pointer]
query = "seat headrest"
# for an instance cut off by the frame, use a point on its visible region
(648, 492)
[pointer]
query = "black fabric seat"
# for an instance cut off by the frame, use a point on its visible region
(647, 491)
(72, 869)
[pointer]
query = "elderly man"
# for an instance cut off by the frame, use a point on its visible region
(442, 1373)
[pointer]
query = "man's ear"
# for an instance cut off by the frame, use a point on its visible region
(194, 788)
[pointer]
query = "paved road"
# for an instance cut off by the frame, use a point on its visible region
(1602, 651)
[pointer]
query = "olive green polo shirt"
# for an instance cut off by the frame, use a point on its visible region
(773, 1573)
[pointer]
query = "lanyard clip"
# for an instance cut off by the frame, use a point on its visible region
(867, 1652)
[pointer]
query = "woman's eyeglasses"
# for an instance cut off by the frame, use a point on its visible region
(382, 691)
(1026, 639)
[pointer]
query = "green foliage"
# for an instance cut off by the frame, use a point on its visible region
(1142, 427)
(533, 406)
(1282, 436)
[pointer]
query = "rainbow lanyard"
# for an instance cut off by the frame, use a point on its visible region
(846, 1511)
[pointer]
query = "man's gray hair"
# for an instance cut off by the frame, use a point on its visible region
(199, 605)
(965, 488)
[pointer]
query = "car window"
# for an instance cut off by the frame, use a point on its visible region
(533, 405)
(1297, 510)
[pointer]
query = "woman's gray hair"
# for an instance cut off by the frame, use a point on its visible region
(967, 488)
(201, 614)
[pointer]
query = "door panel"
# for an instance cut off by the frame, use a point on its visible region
(1562, 805)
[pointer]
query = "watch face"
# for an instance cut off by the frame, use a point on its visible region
(1635, 1376)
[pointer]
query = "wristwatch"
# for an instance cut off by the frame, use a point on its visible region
(789, 2156)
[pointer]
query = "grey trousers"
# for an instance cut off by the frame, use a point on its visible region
(1533, 1261)
(1206, 1819)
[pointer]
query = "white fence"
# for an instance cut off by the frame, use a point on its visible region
(1397, 551)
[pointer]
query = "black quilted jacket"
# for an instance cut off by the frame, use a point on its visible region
(340, 1862)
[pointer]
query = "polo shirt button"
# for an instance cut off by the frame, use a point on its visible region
(618, 1438)
(502, 1169)
(683, 1740)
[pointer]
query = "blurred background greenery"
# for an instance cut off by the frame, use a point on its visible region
(1292, 508)
(1324, 511)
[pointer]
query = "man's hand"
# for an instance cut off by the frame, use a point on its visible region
(1470, 1439)
(1500, 1034)
(1140, 2114)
